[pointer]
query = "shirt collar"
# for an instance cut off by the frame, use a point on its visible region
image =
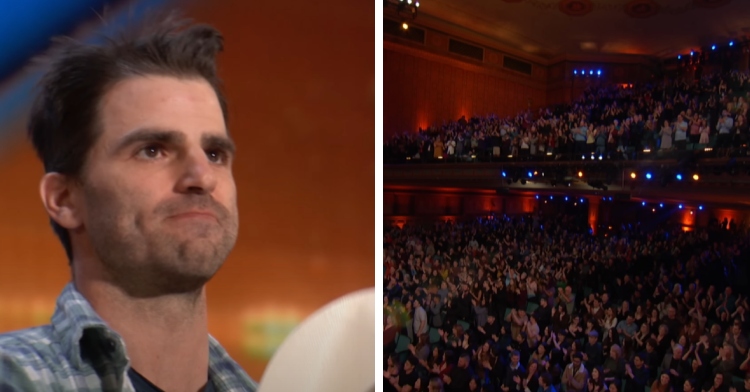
(72, 317)
(223, 371)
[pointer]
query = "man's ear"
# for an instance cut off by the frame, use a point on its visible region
(55, 190)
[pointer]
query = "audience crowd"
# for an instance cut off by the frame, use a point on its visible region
(538, 304)
(614, 122)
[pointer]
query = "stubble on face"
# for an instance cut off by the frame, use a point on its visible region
(152, 254)
(132, 206)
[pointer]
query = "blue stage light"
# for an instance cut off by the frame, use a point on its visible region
(504, 174)
(700, 207)
(679, 57)
(661, 205)
(731, 43)
(680, 206)
(679, 177)
(648, 176)
(713, 47)
(643, 203)
(531, 174)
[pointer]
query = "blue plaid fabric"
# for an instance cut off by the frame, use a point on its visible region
(78, 352)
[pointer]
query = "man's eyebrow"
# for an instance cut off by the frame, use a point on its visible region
(217, 141)
(149, 135)
(167, 136)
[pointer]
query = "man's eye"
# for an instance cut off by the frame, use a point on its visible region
(151, 152)
(217, 156)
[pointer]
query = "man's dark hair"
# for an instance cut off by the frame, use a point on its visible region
(64, 123)
(546, 379)
(412, 360)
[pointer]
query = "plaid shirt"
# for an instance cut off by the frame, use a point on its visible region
(78, 352)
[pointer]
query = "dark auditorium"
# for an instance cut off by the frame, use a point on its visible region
(566, 196)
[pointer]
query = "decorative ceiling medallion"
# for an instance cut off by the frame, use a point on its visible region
(576, 7)
(710, 3)
(642, 8)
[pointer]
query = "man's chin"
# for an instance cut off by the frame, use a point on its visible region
(185, 284)
(161, 280)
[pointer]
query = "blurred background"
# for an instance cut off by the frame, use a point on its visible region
(300, 78)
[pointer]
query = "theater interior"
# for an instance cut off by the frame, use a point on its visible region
(565, 195)
(479, 58)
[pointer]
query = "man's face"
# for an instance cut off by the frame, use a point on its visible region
(462, 363)
(514, 359)
(576, 362)
(158, 199)
(638, 362)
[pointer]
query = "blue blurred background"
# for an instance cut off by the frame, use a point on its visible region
(26, 28)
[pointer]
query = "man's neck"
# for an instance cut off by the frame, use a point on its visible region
(166, 337)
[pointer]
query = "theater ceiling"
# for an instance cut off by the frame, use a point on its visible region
(553, 28)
